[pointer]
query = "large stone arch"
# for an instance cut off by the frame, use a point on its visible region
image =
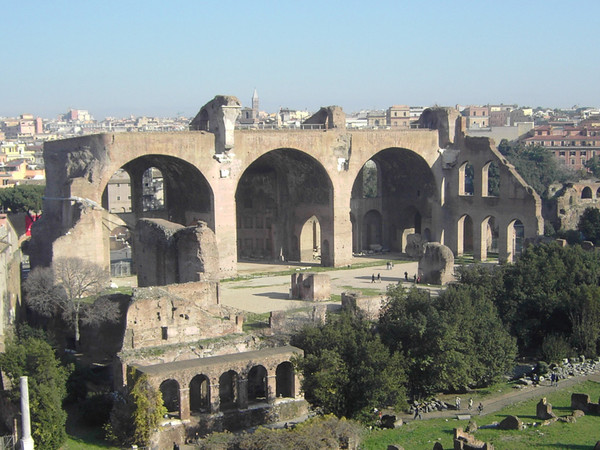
(188, 195)
(405, 182)
(275, 196)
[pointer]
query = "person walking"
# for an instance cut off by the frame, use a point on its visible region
(470, 404)
(457, 403)
(480, 408)
(373, 278)
(405, 276)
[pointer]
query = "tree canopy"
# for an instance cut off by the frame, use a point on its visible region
(589, 225)
(451, 342)
(347, 371)
(545, 295)
(34, 358)
(136, 414)
(535, 164)
(25, 198)
(62, 289)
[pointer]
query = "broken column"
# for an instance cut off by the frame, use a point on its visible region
(26, 440)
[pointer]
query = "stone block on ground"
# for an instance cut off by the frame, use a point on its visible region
(544, 410)
(437, 264)
(580, 401)
(511, 423)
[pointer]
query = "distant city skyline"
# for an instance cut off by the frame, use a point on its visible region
(168, 59)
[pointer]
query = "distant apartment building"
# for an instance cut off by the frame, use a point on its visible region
(376, 119)
(26, 125)
(572, 146)
(118, 192)
(19, 171)
(398, 116)
(477, 116)
(77, 115)
(12, 150)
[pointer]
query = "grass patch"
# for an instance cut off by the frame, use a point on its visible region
(365, 291)
(579, 435)
(256, 321)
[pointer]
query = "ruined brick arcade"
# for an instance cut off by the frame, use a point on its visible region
(258, 189)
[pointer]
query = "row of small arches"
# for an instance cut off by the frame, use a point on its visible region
(229, 384)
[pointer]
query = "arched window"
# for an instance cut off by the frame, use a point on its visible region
(466, 176)
(257, 384)
(200, 394)
(586, 192)
(284, 375)
(170, 394)
(490, 179)
(465, 235)
(228, 390)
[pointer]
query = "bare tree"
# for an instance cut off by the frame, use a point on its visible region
(64, 288)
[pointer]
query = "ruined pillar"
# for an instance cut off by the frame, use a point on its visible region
(504, 250)
(184, 403)
(297, 386)
(215, 399)
(242, 400)
(26, 440)
(271, 388)
(339, 236)
(479, 243)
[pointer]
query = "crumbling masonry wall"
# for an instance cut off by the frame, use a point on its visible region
(203, 169)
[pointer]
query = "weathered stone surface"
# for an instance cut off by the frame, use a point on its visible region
(466, 441)
(437, 264)
(580, 401)
(369, 305)
(328, 117)
(388, 421)
(414, 246)
(311, 286)
(471, 427)
(166, 253)
(544, 410)
(511, 423)
(578, 413)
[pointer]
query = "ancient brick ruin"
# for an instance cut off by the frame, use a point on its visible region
(314, 194)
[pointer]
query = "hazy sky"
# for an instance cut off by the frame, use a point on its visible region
(163, 58)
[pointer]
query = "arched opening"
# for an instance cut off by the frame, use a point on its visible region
(465, 235)
(168, 188)
(284, 376)
(466, 175)
(516, 237)
(586, 192)
(310, 241)
(489, 238)
(170, 395)
(274, 196)
(372, 231)
(490, 179)
(370, 182)
(257, 384)
(228, 390)
(153, 193)
(200, 394)
(598, 193)
(405, 186)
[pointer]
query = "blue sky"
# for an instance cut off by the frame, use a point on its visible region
(164, 58)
